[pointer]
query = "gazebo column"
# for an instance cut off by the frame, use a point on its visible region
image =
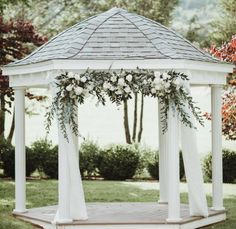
(173, 166)
(217, 169)
(64, 181)
(163, 161)
(20, 166)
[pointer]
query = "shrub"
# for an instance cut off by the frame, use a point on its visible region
(153, 167)
(42, 149)
(7, 152)
(229, 166)
(89, 158)
(50, 163)
(118, 162)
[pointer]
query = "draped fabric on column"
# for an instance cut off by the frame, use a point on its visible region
(193, 171)
(71, 197)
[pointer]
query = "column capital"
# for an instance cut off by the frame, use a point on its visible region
(217, 85)
(19, 88)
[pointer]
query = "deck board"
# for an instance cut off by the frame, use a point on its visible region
(117, 213)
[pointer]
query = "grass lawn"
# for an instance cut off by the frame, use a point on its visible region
(44, 192)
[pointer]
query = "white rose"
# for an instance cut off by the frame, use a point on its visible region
(113, 78)
(157, 80)
(121, 82)
(71, 74)
(145, 82)
(165, 75)
(153, 90)
(166, 85)
(129, 77)
(77, 76)
(83, 79)
(69, 87)
(119, 92)
(79, 90)
(107, 85)
(157, 74)
(127, 89)
(158, 87)
(90, 87)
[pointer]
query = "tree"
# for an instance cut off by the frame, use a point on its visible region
(225, 26)
(16, 41)
(227, 52)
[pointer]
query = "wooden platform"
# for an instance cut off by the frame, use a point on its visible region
(122, 216)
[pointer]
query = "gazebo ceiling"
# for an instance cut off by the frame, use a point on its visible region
(116, 34)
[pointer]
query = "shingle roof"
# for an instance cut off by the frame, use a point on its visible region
(117, 34)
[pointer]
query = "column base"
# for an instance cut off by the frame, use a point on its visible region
(217, 208)
(17, 211)
(162, 202)
(173, 220)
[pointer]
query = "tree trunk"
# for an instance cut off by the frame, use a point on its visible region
(126, 123)
(2, 116)
(141, 120)
(10, 136)
(135, 116)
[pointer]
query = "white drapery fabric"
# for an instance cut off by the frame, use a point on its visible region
(193, 170)
(69, 156)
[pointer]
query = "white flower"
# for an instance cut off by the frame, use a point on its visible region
(145, 82)
(77, 76)
(69, 87)
(79, 90)
(166, 85)
(90, 87)
(112, 88)
(157, 80)
(157, 74)
(107, 85)
(71, 74)
(113, 78)
(165, 75)
(129, 77)
(158, 87)
(83, 79)
(118, 92)
(153, 90)
(127, 89)
(121, 82)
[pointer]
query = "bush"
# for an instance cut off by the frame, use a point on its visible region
(89, 158)
(229, 166)
(153, 167)
(118, 162)
(7, 153)
(50, 164)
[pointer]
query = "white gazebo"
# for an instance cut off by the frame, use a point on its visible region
(116, 40)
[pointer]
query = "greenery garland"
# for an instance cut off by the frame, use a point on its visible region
(73, 88)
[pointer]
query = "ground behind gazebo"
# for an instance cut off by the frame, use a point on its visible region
(44, 193)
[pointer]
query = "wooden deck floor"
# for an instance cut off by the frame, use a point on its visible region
(117, 214)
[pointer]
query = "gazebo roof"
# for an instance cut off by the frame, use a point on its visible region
(116, 34)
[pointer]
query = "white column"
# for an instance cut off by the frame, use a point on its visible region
(173, 166)
(217, 170)
(20, 166)
(163, 161)
(64, 181)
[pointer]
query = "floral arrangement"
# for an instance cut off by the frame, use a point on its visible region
(73, 88)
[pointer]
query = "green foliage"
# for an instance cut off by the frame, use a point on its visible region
(224, 27)
(89, 158)
(118, 162)
(229, 166)
(42, 149)
(50, 163)
(153, 167)
(7, 152)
